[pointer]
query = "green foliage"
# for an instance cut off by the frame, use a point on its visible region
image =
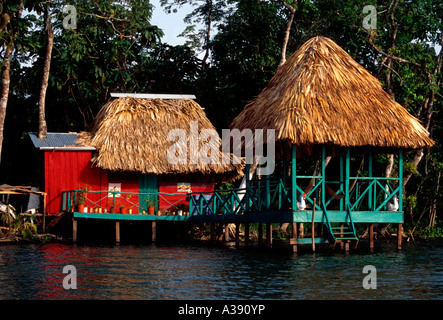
(432, 232)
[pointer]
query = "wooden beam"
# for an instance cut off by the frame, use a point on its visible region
(371, 237)
(227, 232)
(246, 234)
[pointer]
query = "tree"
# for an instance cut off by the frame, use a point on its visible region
(9, 28)
(209, 13)
(42, 128)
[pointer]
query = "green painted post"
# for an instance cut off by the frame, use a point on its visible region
(247, 169)
(347, 170)
(268, 188)
(370, 204)
(323, 175)
(400, 180)
(341, 178)
(294, 177)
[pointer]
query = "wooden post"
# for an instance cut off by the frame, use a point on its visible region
(268, 234)
(399, 236)
(347, 246)
(294, 237)
(312, 224)
(74, 230)
(117, 231)
(227, 232)
(371, 237)
(154, 231)
(44, 212)
(212, 232)
(237, 234)
(247, 234)
(260, 233)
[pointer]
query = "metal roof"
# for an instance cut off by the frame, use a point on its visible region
(152, 95)
(54, 139)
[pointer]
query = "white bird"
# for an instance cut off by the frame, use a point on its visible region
(301, 205)
(392, 206)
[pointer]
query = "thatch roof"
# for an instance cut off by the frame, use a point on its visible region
(322, 96)
(131, 134)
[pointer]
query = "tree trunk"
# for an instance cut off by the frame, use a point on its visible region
(6, 77)
(42, 128)
(286, 37)
(5, 90)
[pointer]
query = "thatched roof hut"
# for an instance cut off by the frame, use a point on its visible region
(322, 96)
(131, 134)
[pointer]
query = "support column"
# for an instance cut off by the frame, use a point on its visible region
(247, 234)
(370, 204)
(227, 232)
(269, 234)
(294, 178)
(237, 234)
(400, 180)
(212, 232)
(74, 230)
(371, 237)
(399, 236)
(347, 174)
(117, 231)
(154, 231)
(294, 237)
(260, 233)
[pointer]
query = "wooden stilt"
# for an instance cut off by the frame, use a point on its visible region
(347, 246)
(246, 234)
(268, 234)
(313, 226)
(260, 233)
(117, 231)
(44, 213)
(227, 232)
(212, 232)
(294, 237)
(371, 237)
(237, 234)
(74, 230)
(154, 231)
(301, 230)
(399, 236)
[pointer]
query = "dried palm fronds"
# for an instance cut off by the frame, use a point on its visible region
(131, 134)
(322, 96)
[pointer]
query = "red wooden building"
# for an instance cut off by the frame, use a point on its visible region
(73, 161)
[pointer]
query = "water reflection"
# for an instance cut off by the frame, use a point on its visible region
(197, 272)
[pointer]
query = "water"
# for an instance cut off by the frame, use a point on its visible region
(175, 272)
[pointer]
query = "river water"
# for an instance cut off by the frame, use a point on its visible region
(178, 272)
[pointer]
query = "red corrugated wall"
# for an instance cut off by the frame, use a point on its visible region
(66, 170)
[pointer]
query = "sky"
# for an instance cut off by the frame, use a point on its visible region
(172, 24)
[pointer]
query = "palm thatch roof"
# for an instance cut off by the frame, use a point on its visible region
(322, 96)
(131, 134)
